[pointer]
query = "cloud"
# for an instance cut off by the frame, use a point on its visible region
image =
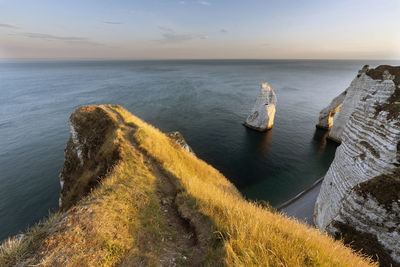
(52, 37)
(266, 44)
(170, 36)
(65, 39)
(166, 29)
(112, 22)
(11, 26)
(204, 3)
(140, 12)
(224, 30)
(182, 2)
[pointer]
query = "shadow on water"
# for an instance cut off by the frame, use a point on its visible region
(322, 142)
(258, 142)
(320, 135)
(251, 162)
(274, 165)
(325, 148)
(302, 205)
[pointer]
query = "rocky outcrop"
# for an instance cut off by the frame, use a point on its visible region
(335, 116)
(326, 115)
(369, 219)
(180, 140)
(88, 155)
(262, 115)
(353, 95)
(360, 195)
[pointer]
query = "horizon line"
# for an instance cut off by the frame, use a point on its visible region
(187, 59)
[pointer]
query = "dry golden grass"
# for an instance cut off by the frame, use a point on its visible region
(122, 218)
(102, 228)
(253, 236)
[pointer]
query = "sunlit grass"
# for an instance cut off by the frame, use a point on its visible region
(252, 235)
(120, 221)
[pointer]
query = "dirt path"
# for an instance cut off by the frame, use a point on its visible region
(179, 245)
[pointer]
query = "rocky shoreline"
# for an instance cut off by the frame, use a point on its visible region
(302, 205)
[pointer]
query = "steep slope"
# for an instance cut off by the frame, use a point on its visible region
(158, 204)
(360, 195)
(90, 153)
(336, 115)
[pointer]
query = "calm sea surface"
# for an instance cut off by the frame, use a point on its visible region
(205, 100)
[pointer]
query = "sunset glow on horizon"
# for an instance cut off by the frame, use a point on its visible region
(200, 29)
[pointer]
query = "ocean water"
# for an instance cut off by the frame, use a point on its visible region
(206, 100)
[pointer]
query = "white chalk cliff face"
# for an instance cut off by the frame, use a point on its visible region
(262, 115)
(336, 115)
(361, 190)
(353, 95)
(325, 120)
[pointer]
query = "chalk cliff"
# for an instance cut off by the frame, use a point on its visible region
(262, 115)
(326, 115)
(360, 195)
(335, 116)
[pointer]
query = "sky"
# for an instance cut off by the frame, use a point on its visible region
(212, 29)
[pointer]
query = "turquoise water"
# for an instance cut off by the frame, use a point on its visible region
(206, 100)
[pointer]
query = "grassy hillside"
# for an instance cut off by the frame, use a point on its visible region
(160, 205)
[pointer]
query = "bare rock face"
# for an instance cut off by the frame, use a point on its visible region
(360, 195)
(335, 116)
(89, 153)
(326, 115)
(180, 140)
(262, 115)
(353, 95)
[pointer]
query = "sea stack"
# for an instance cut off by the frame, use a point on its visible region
(262, 115)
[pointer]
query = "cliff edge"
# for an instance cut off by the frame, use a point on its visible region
(134, 197)
(360, 194)
(90, 154)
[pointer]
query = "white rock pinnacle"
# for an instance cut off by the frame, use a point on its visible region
(262, 115)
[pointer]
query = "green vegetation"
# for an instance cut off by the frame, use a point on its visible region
(97, 156)
(365, 242)
(392, 105)
(384, 188)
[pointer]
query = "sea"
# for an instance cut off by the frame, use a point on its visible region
(206, 100)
